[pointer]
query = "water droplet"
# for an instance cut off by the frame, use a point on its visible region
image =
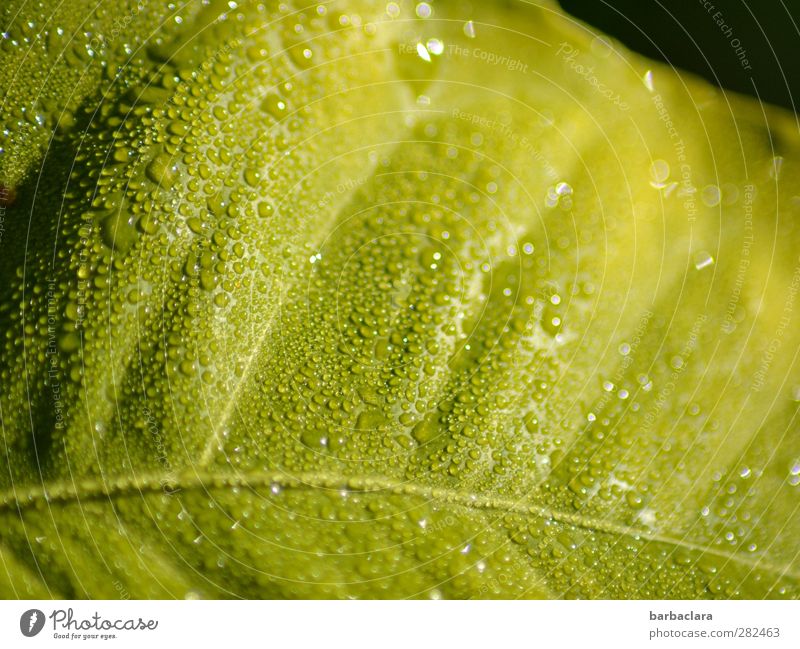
(274, 105)
(563, 189)
(424, 10)
(711, 195)
(601, 47)
(647, 79)
(702, 259)
(423, 52)
(469, 29)
(162, 171)
(435, 46)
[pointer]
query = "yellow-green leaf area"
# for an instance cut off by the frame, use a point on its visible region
(356, 299)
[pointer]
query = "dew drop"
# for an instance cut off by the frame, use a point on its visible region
(274, 105)
(424, 10)
(659, 171)
(711, 195)
(435, 46)
(601, 47)
(162, 171)
(702, 259)
(423, 52)
(647, 79)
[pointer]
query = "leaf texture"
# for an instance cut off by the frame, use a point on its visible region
(391, 300)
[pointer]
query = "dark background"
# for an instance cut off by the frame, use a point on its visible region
(683, 33)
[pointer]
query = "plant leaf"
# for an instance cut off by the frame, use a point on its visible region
(357, 301)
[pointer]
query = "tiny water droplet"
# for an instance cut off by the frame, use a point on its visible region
(775, 167)
(659, 171)
(423, 52)
(435, 46)
(702, 259)
(423, 10)
(711, 195)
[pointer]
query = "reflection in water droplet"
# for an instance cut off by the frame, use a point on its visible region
(647, 79)
(469, 29)
(702, 259)
(423, 52)
(435, 46)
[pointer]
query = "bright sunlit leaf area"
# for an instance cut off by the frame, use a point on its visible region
(359, 299)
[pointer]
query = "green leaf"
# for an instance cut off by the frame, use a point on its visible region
(354, 301)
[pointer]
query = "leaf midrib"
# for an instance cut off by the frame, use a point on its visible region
(146, 484)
